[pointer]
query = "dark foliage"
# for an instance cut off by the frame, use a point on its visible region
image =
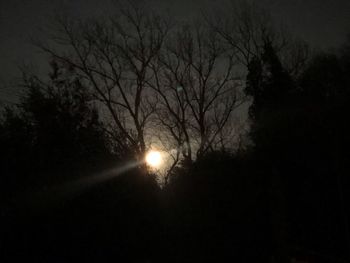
(286, 197)
(301, 145)
(52, 131)
(216, 210)
(63, 197)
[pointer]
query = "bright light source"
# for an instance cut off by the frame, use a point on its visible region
(154, 159)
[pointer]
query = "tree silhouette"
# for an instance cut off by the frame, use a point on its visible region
(52, 144)
(297, 128)
(113, 57)
(52, 131)
(270, 87)
(267, 81)
(325, 88)
(198, 90)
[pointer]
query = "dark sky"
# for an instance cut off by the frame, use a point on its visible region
(323, 23)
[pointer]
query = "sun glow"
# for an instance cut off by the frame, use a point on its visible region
(154, 159)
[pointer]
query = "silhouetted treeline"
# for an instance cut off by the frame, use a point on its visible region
(284, 197)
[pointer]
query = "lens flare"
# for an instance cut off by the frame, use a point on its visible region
(154, 159)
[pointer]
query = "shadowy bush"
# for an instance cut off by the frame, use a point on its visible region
(216, 209)
(65, 194)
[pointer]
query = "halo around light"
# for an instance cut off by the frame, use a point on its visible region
(153, 159)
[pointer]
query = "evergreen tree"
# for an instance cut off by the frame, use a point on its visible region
(53, 134)
(270, 86)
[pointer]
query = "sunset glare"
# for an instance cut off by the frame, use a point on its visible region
(153, 159)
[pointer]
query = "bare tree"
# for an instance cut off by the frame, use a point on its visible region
(198, 91)
(113, 58)
(180, 85)
(246, 28)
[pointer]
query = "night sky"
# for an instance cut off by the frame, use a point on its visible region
(322, 23)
